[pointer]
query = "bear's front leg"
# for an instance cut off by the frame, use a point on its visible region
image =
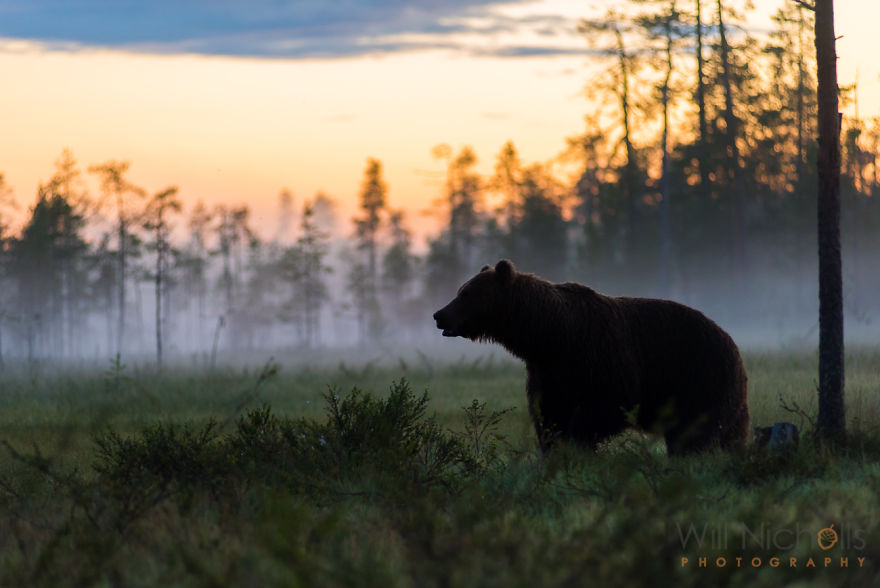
(535, 399)
(561, 411)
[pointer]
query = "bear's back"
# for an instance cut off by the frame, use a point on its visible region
(678, 347)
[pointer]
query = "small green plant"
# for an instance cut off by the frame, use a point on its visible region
(116, 380)
(481, 435)
(165, 461)
(390, 443)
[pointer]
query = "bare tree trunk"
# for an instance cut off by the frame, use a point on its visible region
(372, 269)
(108, 299)
(159, 260)
(629, 167)
(800, 105)
(800, 164)
(30, 336)
(68, 310)
(705, 182)
(735, 175)
(831, 421)
(665, 229)
(158, 319)
(120, 323)
(227, 283)
(221, 322)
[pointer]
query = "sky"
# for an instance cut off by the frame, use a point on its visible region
(234, 101)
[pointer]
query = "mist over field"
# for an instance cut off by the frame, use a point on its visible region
(228, 294)
(778, 311)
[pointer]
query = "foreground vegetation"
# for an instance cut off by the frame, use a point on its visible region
(270, 477)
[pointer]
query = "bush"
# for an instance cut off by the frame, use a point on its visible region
(366, 446)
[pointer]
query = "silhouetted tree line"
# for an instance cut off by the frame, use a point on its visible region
(693, 178)
(79, 266)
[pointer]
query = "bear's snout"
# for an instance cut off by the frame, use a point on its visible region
(444, 323)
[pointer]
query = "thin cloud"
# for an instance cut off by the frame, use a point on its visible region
(532, 51)
(269, 28)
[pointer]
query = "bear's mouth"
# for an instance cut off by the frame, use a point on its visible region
(444, 325)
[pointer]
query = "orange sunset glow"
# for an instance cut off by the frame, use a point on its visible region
(239, 129)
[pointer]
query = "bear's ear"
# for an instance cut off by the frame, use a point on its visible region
(504, 271)
(485, 268)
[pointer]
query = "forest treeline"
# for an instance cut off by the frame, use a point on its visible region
(694, 178)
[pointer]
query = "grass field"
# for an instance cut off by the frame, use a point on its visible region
(277, 475)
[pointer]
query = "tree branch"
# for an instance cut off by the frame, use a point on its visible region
(805, 4)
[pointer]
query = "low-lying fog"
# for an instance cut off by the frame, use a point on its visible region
(770, 311)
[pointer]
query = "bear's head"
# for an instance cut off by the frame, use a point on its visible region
(470, 313)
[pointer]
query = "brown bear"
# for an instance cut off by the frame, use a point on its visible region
(597, 364)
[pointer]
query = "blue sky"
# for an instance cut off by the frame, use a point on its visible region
(274, 28)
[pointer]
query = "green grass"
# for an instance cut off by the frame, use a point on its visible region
(50, 406)
(122, 476)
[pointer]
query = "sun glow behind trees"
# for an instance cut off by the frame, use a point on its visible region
(239, 129)
(232, 132)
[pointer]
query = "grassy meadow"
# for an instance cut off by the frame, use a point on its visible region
(279, 474)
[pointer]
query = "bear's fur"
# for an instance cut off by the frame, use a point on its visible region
(597, 364)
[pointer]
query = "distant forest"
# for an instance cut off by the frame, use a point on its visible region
(694, 179)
